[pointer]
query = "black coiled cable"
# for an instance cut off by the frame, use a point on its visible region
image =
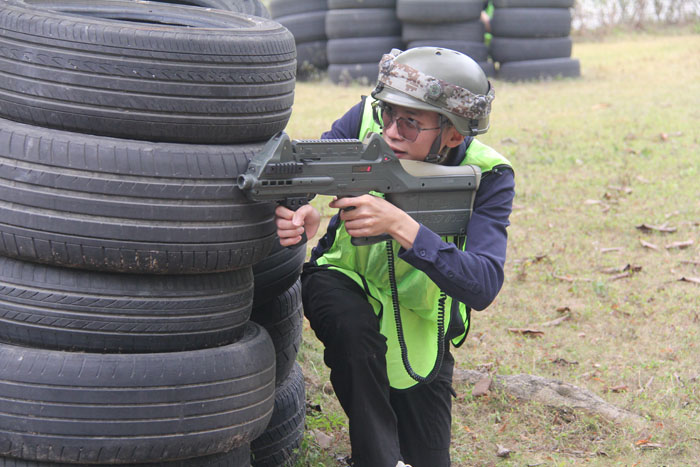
(399, 326)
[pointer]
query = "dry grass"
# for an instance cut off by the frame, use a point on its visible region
(595, 158)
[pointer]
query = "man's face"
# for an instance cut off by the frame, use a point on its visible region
(400, 122)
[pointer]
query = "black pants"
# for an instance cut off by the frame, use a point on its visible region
(386, 425)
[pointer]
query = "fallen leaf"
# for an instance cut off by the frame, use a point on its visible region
(646, 244)
(503, 451)
(526, 332)
(621, 388)
(663, 136)
(509, 140)
(563, 309)
(657, 228)
(481, 388)
(694, 280)
(679, 245)
(600, 106)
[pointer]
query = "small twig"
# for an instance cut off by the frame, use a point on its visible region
(558, 321)
(679, 245)
(611, 249)
(568, 278)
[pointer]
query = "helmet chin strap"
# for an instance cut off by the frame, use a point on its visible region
(437, 154)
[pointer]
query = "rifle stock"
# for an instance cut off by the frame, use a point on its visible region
(292, 173)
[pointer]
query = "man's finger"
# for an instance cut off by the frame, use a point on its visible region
(284, 213)
(287, 233)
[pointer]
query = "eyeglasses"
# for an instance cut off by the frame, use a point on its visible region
(408, 129)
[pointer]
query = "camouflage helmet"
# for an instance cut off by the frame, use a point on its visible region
(440, 80)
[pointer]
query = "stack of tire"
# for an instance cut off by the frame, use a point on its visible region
(359, 33)
(277, 307)
(453, 24)
(306, 20)
(127, 255)
(531, 39)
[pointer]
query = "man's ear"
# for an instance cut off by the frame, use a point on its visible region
(452, 138)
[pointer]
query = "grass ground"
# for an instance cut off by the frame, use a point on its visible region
(596, 158)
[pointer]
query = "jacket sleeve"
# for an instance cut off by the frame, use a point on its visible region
(474, 276)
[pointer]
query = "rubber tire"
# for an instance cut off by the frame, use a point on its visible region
(362, 22)
(343, 4)
(214, 77)
(489, 68)
(476, 50)
(360, 73)
(279, 8)
(71, 309)
(91, 408)
(469, 31)
(540, 69)
(306, 27)
(279, 444)
(311, 58)
(283, 319)
(249, 7)
(361, 49)
(507, 49)
(531, 22)
(278, 271)
(447, 11)
(533, 3)
(239, 457)
(116, 205)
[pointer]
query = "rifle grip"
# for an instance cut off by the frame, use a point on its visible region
(294, 204)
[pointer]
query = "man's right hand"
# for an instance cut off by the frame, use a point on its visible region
(292, 224)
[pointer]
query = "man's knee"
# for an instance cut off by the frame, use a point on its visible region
(339, 313)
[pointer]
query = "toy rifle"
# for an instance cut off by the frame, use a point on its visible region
(292, 173)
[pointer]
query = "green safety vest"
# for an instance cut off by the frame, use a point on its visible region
(418, 295)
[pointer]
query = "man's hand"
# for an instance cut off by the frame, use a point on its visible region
(373, 216)
(292, 224)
